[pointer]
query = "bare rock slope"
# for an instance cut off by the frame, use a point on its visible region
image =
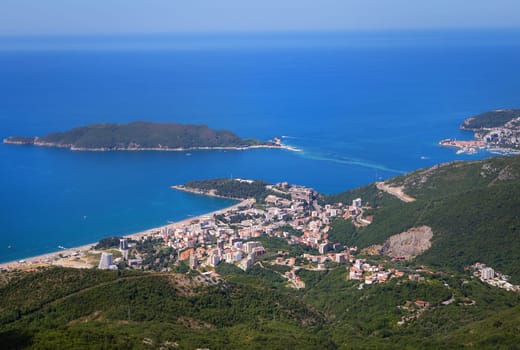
(408, 244)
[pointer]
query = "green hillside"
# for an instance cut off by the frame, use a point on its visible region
(472, 207)
(72, 309)
(231, 188)
(368, 318)
(491, 119)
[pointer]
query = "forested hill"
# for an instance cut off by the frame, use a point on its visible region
(229, 188)
(473, 209)
(491, 119)
(234, 188)
(92, 309)
(139, 135)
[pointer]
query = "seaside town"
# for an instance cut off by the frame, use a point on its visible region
(468, 147)
(290, 214)
(504, 139)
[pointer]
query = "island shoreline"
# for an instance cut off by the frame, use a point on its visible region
(7, 141)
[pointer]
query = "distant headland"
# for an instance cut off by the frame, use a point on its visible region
(145, 136)
(497, 131)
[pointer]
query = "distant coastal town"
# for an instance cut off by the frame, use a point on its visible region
(497, 131)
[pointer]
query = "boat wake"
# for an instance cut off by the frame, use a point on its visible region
(355, 162)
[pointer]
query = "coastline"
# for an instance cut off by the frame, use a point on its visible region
(54, 258)
(471, 147)
(495, 136)
(167, 149)
(202, 193)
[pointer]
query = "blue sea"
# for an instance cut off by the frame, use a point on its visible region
(362, 106)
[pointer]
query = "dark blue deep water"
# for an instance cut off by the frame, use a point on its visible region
(361, 106)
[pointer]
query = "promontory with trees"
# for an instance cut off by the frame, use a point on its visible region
(497, 131)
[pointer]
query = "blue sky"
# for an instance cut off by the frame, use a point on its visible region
(30, 17)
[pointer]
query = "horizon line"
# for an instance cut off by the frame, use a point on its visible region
(263, 32)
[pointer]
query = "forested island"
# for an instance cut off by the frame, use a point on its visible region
(498, 131)
(144, 136)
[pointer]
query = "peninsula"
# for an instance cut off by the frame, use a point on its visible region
(144, 136)
(238, 189)
(497, 131)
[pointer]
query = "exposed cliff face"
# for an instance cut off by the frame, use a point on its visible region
(408, 244)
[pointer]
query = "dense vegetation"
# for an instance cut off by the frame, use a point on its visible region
(101, 309)
(108, 242)
(370, 196)
(367, 318)
(491, 119)
(473, 209)
(64, 308)
(144, 135)
(233, 188)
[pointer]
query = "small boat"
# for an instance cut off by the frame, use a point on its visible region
(62, 247)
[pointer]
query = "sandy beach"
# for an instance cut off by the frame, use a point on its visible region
(57, 257)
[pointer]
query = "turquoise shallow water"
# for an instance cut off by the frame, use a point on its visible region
(361, 106)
